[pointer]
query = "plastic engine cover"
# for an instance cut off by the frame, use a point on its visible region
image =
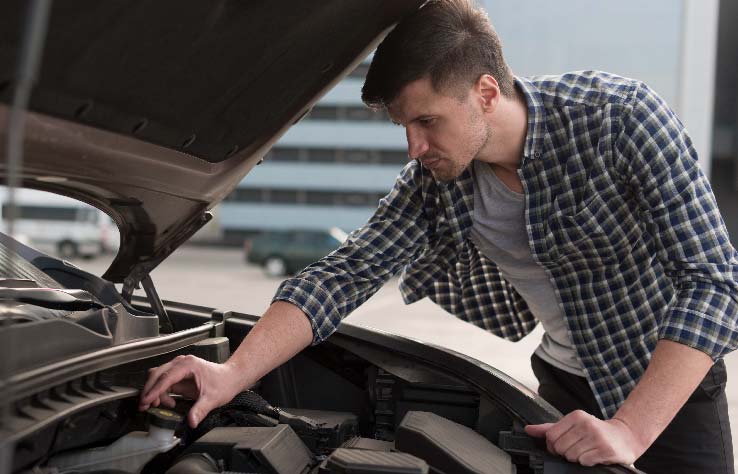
(360, 461)
(256, 449)
(449, 447)
(335, 428)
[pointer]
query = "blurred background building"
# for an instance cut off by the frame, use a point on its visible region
(331, 168)
(328, 170)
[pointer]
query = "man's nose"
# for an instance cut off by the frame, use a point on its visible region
(417, 145)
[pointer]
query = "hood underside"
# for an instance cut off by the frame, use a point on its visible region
(153, 111)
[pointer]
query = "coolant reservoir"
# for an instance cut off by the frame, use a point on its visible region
(129, 453)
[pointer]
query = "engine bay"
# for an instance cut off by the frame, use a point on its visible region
(386, 424)
(362, 402)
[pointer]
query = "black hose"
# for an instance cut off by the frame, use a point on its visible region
(252, 401)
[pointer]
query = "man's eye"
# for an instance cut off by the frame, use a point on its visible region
(427, 121)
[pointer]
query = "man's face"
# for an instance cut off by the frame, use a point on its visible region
(444, 133)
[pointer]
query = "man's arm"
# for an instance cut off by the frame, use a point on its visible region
(307, 308)
(673, 374)
(655, 156)
(282, 332)
(330, 289)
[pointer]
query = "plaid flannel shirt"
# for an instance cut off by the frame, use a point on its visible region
(617, 212)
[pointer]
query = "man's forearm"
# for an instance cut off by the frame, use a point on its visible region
(282, 332)
(673, 374)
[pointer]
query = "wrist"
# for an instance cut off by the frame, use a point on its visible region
(639, 441)
(238, 373)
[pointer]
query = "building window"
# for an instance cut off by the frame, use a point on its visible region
(351, 113)
(323, 112)
(358, 156)
(307, 197)
(353, 199)
(359, 113)
(333, 155)
(320, 198)
(283, 196)
(284, 154)
(246, 195)
(393, 157)
(321, 155)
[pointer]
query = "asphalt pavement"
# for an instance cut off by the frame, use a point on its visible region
(220, 278)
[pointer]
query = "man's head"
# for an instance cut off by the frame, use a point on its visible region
(450, 42)
(429, 67)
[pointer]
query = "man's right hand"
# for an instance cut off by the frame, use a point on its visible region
(281, 333)
(211, 385)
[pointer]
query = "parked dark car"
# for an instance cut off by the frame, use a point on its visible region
(153, 112)
(283, 252)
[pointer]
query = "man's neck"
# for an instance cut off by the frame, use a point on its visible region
(509, 125)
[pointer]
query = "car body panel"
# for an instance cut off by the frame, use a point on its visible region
(138, 86)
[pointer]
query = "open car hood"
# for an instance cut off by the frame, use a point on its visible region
(153, 111)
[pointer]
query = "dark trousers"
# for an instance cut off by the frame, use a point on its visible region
(698, 440)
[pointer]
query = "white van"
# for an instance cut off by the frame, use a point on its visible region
(62, 225)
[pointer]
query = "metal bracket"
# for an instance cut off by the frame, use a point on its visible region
(219, 318)
(156, 304)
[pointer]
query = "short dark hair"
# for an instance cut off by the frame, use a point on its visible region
(452, 42)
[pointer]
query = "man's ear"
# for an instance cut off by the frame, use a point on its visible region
(488, 91)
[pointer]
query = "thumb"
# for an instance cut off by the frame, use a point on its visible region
(199, 411)
(538, 431)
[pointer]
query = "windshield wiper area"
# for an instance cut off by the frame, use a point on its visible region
(69, 300)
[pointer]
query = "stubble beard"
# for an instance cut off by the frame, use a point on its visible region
(481, 137)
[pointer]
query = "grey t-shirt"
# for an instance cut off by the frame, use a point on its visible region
(499, 233)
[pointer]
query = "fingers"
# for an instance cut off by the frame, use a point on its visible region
(211, 385)
(161, 379)
(155, 373)
(568, 437)
(583, 438)
(590, 458)
(186, 388)
(565, 424)
(538, 431)
(572, 448)
(211, 396)
(167, 400)
(571, 444)
(200, 410)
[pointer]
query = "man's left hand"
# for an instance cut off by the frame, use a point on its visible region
(587, 440)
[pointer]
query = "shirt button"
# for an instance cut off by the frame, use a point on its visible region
(537, 154)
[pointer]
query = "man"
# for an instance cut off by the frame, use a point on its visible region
(573, 200)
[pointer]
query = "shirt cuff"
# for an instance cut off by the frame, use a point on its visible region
(317, 304)
(698, 331)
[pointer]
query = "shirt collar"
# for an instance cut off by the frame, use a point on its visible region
(536, 118)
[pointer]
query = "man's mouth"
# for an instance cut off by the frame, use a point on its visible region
(430, 163)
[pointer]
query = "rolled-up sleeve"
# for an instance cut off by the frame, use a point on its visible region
(330, 289)
(692, 242)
